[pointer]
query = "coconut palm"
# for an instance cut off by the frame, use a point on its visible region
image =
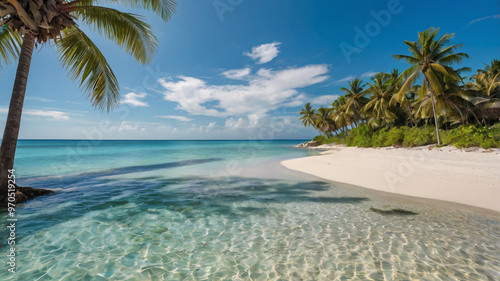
(323, 121)
(25, 24)
(356, 99)
(452, 105)
(381, 91)
(431, 58)
(339, 114)
(484, 91)
(307, 115)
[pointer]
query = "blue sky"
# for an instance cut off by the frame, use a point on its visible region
(242, 69)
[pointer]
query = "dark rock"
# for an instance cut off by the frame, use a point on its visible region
(400, 212)
(23, 193)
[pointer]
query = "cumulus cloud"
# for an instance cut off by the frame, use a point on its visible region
(264, 53)
(263, 126)
(133, 99)
(175, 117)
(237, 73)
(127, 126)
(263, 92)
(236, 123)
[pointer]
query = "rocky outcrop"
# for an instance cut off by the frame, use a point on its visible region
(308, 144)
(24, 193)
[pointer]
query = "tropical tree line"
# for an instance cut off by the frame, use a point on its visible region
(430, 92)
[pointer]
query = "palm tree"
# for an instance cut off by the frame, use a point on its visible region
(431, 58)
(484, 91)
(323, 121)
(307, 114)
(339, 114)
(356, 99)
(27, 23)
(381, 92)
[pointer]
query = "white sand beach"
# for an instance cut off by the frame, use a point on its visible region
(469, 177)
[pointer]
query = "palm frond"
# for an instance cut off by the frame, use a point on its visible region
(408, 59)
(411, 75)
(10, 45)
(87, 65)
(453, 58)
(126, 30)
(163, 8)
(434, 81)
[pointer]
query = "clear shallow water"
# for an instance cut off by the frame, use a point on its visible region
(226, 211)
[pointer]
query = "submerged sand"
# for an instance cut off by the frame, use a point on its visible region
(470, 176)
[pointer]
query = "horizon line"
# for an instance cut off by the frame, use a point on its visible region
(162, 139)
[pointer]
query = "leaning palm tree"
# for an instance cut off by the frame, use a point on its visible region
(431, 58)
(25, 24)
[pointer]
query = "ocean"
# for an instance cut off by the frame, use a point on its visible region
(226, 210)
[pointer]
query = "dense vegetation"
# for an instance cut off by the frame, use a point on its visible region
(430, 102)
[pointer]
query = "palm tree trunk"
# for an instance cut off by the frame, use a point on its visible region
(434, 111)
(411, 115)
(11, 131)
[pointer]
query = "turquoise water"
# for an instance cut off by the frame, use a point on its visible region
(226, 210)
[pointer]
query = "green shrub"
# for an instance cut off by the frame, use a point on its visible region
(495, 131)
(336, 140)
(395, 136)
(319, 138)
(361, 136)
(469, 135)
(419, 136)
(323, 140)
(379, 138)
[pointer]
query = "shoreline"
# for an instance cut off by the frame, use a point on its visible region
(469, 177)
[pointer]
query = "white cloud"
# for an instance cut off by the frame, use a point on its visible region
(263, 126)
(345, 79)
(175, 117)
(54, 114)
(484, 18)
(266, 91)
(58, 115)
(236, 123)
(264, 53)
(324, 100)
(237, 73)
(133, 99)
(369, 74)
(39, 99)
(127, 126)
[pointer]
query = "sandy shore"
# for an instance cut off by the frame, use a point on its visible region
(447, 173)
